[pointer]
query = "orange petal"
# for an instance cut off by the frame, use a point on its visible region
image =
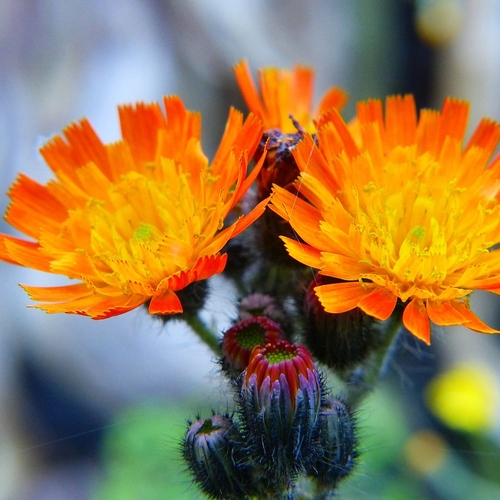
(243, 222)
(302, 92)
(416, 320)
(226, 150)
(305, 254)
(204, 268)
(165, 302)
(486, 136)
(240, 225)
(380, 304)
(34, 207)
(342, 297)
(400, 121)
(248, 88)
(186, 124)
(334, 98)
(343, 132)
(244, 185)
(58, 293)
(83, 146)
(343, 267)
(427, 136)
(114, 306)
(25, 253)
(473, 322)
(369, 112)
(453, 122)
(208, 266)
(444, 314)
(82, 300)
(140, 125)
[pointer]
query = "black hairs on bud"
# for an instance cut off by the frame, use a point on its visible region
(212, 450)
(340, 341)
(280, 443)
(336, 444)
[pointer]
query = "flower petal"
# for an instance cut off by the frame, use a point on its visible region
(302, 252)
(166, 302)
(416, 320)
(380, 303)
(342, 297)
(444, 313)
(25, 253)
(473, 322)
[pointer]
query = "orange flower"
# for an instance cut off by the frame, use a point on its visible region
(284, 93)
(286, 110)
(134, 221)
(399, 210)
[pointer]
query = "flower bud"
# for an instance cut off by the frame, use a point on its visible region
(240, 339)
(343, 340)
(336, 444)
(280, 166)
(212, 457)
(280, 400)
(260, 304)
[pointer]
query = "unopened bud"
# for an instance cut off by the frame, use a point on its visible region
(336, 437)
(211, 455)
(280, 399)
(239, 340)
(340, 341)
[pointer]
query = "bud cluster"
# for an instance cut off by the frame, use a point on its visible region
(285, 425)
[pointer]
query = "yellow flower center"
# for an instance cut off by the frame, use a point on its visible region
(143, 229)
(420, 231)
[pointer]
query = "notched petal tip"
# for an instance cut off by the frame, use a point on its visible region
(166, 302)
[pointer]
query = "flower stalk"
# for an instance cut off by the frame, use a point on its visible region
(204, 333)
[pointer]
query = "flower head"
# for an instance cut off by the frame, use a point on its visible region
(240, 339)
(284, 94)
(286, 108)
(399, 210)
(284, 370)
(134, 221)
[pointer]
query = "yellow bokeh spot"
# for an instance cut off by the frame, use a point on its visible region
(464, 398)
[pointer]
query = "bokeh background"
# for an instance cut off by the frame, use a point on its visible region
(95, 410)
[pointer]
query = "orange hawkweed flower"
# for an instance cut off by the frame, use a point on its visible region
(286, 108)
(133, 221)
(284, 93)
(399, 210)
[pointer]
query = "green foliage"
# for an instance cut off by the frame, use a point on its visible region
(142, 459)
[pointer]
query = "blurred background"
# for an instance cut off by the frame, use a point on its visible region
(96, 410)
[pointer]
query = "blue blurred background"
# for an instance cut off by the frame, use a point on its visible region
(95, 410)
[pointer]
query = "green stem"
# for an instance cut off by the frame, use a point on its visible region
(362, 380)
(206, 334)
